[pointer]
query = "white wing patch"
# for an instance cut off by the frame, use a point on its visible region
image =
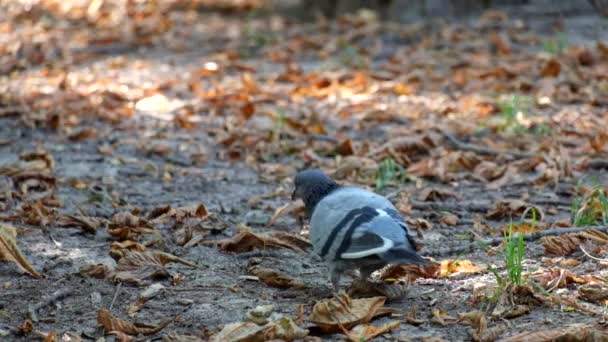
(387, 244)
(382, 212)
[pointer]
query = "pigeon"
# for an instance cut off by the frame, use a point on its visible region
(352, 228)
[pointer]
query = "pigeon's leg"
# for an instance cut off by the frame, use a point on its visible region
(335, 277)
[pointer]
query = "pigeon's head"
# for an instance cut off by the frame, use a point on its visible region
(311, 186)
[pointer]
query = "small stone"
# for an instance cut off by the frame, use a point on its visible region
(95, 297)
(259, 314)
(184, 301)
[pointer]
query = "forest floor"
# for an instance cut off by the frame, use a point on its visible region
(147, 155)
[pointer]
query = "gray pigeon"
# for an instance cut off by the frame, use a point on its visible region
(353, 228)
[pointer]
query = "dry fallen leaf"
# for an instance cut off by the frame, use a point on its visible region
(87, 223)
(594, 292)
(111, 323)
(550, 68)
(99, 271)
(441, 317)
(136, 267)
(243, 332)
(569, 243)
(275, 278)
(366, 332)
(574, 332)
(411, 271)
(342, 311)
(10, 252)
(450, 266)
(175, 337)
(249, 241)
(514, 208)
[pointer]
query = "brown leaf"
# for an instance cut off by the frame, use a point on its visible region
(569, 243)
(431, 194)
(419, 223)
(99, 271)
(550, 68)
(9, 251)
(449, 219)
(136, 267)
(85, 133)
(345, 147)
(290, 207)
(243, 332)
(343, 312)
(175, 337)
(51, 336)
(111, 323)
(514, 208)
(411, 271)
(578, 332)
(249, 241)
(441, 317)
(451, 266)
(366, 332)
(86, 223)
(594, 292)
(275, 278)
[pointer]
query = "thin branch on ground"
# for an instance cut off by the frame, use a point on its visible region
(461, 145)
(57, 295)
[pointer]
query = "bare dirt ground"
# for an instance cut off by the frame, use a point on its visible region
(154, 128)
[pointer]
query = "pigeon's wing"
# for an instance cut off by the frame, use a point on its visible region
(377, 234)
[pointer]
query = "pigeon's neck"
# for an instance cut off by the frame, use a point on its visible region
(312, 198)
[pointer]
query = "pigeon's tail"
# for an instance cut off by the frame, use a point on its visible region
(402, 255)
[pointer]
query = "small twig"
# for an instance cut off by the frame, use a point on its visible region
(118, 287)
(471, 206)
(591, 256)
(461, 145)
(57, 295)
(321, 137)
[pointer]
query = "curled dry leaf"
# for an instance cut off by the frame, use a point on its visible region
(594, 292)
(419, 223)
(449, 219)
(553, 278)
(411, 271)
(99, 271)
(111, 323)
(243, 332)
(275, 278)
(507, 208)
(440, 316)
(431, 194)
(289, 208)
(342, 311)
(127, 226)
(551, 68)
(86, 223)
(175, 337)
(573, 332)
(569, 243)
(452, 266)
(366, 332)
(283, 329)
(249, 241)
(10, 252)
(356, 168)
(136, 267)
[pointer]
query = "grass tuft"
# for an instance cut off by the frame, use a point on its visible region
(389, 171)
